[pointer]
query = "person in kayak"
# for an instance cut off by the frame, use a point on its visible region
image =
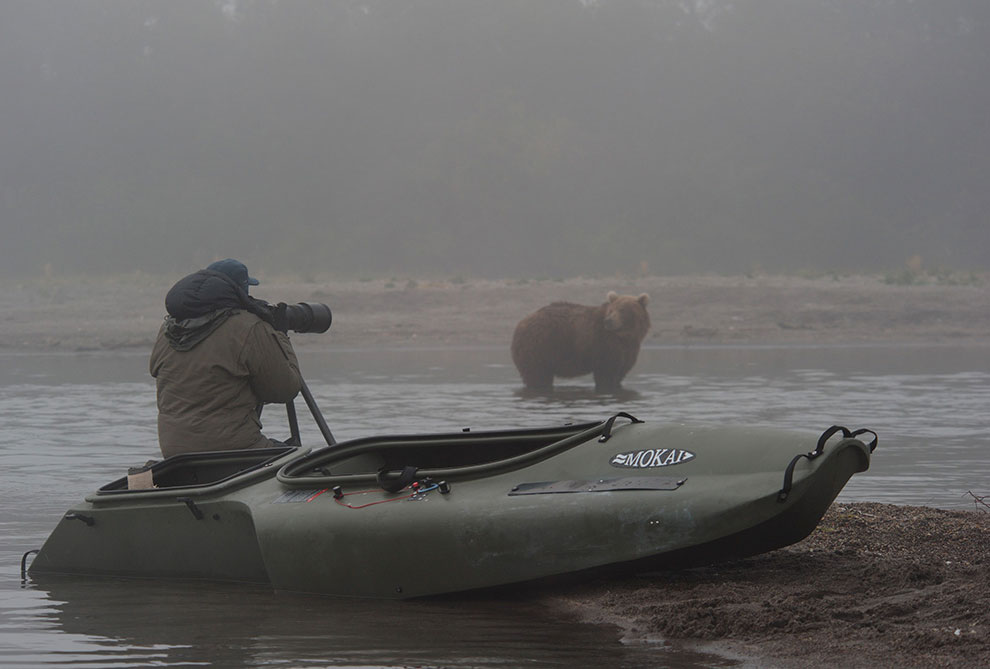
(219, 356)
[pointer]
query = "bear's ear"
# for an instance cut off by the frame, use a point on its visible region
(644, 299)
(612, 296)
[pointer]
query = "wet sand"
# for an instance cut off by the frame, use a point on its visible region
(874, 585)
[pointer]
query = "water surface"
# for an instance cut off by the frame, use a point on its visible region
(71, 423)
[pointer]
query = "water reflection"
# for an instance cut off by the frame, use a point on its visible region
(119, 622)
(571, 395)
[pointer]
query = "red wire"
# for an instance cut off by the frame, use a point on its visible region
(361, 506)
(316, 494)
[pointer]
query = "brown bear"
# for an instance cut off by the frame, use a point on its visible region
(567, 340)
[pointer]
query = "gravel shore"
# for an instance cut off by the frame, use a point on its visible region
(875, 585)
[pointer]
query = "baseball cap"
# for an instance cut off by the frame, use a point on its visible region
(236, 270)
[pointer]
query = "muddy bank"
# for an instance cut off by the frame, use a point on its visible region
(123, 312)
(875, 585)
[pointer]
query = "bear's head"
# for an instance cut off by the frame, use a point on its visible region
(626, 315)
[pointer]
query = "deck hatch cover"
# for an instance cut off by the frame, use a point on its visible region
(599, 485)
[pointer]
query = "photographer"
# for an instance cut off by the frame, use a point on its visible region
(219, 356)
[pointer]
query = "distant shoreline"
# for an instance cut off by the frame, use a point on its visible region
(79, 314)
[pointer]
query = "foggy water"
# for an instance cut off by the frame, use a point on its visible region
(71, 423)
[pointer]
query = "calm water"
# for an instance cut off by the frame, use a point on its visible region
(70, 423)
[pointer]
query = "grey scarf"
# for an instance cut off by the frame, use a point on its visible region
(184, 335)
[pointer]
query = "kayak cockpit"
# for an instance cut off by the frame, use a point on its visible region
(198, 471)
(452, 455)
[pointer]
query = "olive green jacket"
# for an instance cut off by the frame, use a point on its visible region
(208, 396)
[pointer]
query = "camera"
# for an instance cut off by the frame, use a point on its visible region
(302, 317)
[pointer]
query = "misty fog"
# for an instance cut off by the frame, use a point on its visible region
(494, 137)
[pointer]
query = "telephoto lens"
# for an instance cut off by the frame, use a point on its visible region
(308, 317)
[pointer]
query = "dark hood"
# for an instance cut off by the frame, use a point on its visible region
(199, 303)
(203, 292)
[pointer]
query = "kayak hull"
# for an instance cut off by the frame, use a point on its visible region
(475, 510)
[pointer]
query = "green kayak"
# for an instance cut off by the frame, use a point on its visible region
(418, 515)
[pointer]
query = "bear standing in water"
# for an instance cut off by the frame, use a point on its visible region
(564, 339)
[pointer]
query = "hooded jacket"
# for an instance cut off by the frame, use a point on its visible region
(216, 360)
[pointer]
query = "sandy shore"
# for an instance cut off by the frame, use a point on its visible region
(874, 585)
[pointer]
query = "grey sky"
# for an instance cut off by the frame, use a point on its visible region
(494, 137)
